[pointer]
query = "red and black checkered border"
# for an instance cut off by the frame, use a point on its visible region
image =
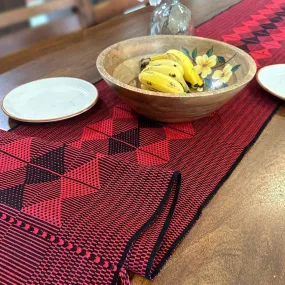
(56, 240)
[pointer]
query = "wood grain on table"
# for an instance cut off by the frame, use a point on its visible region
(240, 238)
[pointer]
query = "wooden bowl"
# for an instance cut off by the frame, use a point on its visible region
(119, 65)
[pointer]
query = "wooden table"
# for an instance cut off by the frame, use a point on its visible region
(240, 238)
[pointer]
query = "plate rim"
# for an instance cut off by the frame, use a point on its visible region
(263, 86)
(52, 119)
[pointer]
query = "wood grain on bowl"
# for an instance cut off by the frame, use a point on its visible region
(119, 65)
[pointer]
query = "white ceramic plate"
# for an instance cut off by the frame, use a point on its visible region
(272, 79)
(50, 100)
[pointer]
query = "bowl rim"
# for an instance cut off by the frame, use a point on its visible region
(247, 78)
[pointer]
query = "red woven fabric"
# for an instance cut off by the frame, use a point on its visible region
(86, 199)
(70, 217)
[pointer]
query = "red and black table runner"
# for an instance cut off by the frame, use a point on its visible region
(84, 200)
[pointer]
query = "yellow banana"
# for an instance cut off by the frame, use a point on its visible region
(176, 59)
(190, 74)
(158, 57)
(171, 71)
(160, 82)
(147, 87)
(199, 80)
(168, 62)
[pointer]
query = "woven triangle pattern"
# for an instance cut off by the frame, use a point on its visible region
(261, 32)
(125, 132)
(43, 176)
(68, 202)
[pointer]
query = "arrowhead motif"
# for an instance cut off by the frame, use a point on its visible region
(70, 188)
(231, 37)
(158, 149)
(9, 163)
(20, 148)
(90, 172)
(271, 44)
(49, 211)
(242, 30)
(258, 17)
(92, 135)
(148, 159)
(105, 127)
(251, 23)
(12, 196)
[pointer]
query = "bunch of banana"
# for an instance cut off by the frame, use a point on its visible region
(167, 62)
(190, 73)
(169, 72)
(164, 75)
(156, 81)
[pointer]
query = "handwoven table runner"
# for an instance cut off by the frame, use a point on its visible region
(86, 199)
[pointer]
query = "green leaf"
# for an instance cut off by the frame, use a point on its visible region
(186, 51)
(235, 68)
(194, 53)
(208, 83)
(221, 59)
(210, 52)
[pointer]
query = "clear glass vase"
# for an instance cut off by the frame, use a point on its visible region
(171, 18)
